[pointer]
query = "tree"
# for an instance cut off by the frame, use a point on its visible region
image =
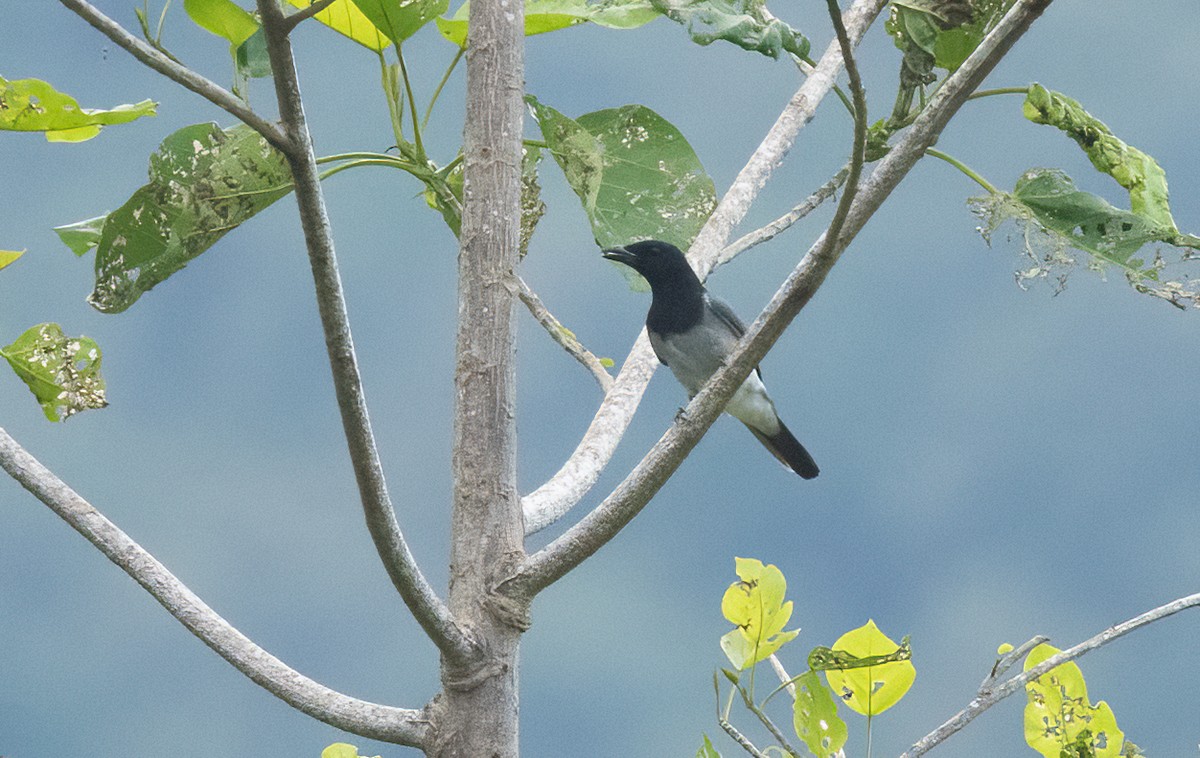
(747, 364)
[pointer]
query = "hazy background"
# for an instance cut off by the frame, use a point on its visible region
(995, 463)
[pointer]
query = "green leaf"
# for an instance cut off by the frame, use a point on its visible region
(341, 750)
(1056, 216)
(444, 193)
(736, 21)
(636, 175)
(1131, 168)
(31, 105)
(707, 750)
(1060, 719)
(946, 30)
(344, 17)
(8, 256)
(62, 372)
(870, 690)
(204, 182)
(815, 717)
(755, 606)
(251, 56)
(224, 18)
(400, 19)
(82, 236)
(543, 16)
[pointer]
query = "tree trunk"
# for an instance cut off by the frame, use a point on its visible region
(476, 715)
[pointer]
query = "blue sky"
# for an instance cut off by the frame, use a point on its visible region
(996, 463)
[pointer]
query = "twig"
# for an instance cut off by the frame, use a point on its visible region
(563, 336)
(292, 21)
(176, 72)
(567, 487)
(989, 698)
(784, 222)
(740, 738)
(380, 722)
(766, 721)
(784, 677)
(429, 610)
(1008, 660)
(582, 540)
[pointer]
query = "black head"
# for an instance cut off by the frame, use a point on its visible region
(661, 263)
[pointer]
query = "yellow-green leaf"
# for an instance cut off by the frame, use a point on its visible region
(341, 750)
(815, 717)
(870, 690)
(755, 606)
(345, 18)
(224, 18)
(32, 105)
(8, 256)
(1060, 715)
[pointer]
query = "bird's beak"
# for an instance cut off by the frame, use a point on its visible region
(620, 255)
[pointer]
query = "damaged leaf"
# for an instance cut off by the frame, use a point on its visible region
(204, 182)
(755, 606)
(815, 717)
(543, 16)
(62, 372)
(31, 105)
(1059, 717)
(738, 21)
(532, 206)
(871, 689)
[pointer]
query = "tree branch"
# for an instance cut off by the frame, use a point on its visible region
(380, 722)
(631, 495)
(178, 73)
(429, 610)
(783, 223)
(563, 336)
(989, 697)
(568, 486)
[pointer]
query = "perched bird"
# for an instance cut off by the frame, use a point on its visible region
(692, 333)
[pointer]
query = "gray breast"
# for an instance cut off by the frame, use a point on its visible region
(693, 356)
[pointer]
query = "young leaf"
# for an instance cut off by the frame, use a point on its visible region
(637, 176)
(870, 690)
(755, 606)
(344, 17)
(8, 256)
(82, 236)
(203, 183)
(31, 105)
(1059, 714)
(736, 21)
(224, 18)
(400, 19)
(543, 16)
(707, 750)
(815, 717)
(62, 372)
(251, 56)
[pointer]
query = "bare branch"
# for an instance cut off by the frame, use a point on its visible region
(380, 722)
(988, 698)
(567, 487)
(631, 495)
(429, 610)
(784, 677)
(176, 72)
(784, 222)
(292, 21)
(563, 336)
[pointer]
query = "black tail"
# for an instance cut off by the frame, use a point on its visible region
(784, 446)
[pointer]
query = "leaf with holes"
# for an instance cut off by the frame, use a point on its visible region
(738, 21)
(870, 690)
(636, 175)
(62, 372)
(204, 182)
(1059, 717)
(31, 105)
(815, 717)
(756, 607)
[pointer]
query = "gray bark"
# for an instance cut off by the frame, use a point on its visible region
(476, 715)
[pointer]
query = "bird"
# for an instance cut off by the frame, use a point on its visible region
(693, 333)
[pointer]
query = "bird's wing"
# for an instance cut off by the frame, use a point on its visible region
(726, 316)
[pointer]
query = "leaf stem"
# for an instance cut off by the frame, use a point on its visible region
(999, 91)
(963, 168)
(438, 91)
(412, 103)
(395, 104)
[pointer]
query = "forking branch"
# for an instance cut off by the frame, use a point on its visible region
(575, 478)
(579, 542)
